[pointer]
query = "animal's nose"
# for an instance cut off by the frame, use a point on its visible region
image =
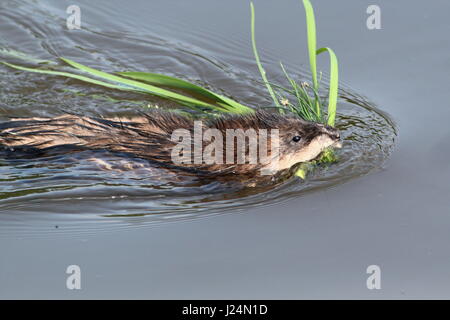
(336, 135)
(332, 132)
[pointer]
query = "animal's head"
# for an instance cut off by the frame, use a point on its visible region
(297, 140)
(301, 141)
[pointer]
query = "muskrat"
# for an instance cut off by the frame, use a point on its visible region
(150, 136)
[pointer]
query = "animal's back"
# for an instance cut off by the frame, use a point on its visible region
(78, 132)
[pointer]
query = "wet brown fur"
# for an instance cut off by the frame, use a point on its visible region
(146, 136)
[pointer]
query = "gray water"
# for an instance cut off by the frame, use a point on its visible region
(312, 239)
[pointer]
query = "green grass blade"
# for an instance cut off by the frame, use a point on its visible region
(311, 33)
(312, 44)
(334, 85)
(141, 86)
(164, 80)
(71, 75)
(123, 87)
(22, 56)
(258, 61)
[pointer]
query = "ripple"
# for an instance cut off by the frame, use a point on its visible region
(71, 191)
(50, 196)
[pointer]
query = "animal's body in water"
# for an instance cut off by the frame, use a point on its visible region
(149, 136)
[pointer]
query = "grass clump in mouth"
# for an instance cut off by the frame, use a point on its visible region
(307, 103)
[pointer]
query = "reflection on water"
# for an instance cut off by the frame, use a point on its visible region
(71, 189)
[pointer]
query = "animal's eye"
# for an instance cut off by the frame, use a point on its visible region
(296, 138)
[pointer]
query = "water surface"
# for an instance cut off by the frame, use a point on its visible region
(298, 239)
